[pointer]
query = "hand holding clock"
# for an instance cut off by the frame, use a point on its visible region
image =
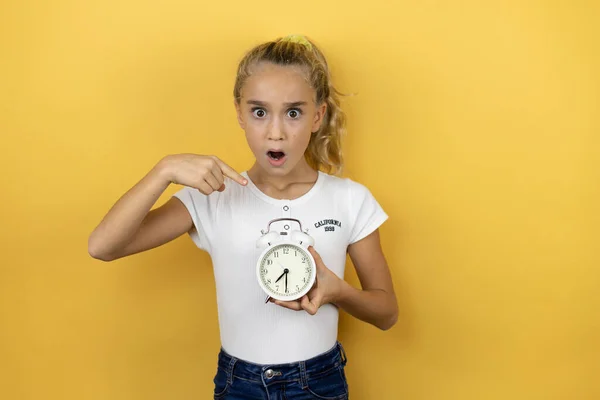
(326, 289)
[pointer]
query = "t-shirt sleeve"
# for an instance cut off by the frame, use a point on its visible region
(198, 205)
(367, 213)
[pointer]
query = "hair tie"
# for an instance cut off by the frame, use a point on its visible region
(300, 39)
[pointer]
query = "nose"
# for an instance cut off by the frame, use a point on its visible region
(275, 130)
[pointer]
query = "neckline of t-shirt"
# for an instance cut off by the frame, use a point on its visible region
(263, 196)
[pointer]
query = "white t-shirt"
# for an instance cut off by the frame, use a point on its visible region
(336, 211)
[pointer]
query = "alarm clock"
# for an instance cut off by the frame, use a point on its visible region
(285, 268)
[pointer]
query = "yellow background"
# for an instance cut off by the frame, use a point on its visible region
(475, 125)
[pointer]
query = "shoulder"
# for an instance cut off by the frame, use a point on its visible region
(352, 188)
(356, 196)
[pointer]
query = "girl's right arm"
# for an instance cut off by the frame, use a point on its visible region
(131, 226)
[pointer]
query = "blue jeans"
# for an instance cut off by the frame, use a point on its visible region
(321, 377)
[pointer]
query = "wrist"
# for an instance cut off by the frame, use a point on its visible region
(164, 170)
(340, 292)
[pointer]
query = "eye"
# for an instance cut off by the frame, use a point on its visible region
(259, 112)
(294, 113)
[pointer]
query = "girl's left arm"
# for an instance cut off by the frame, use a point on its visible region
(376, 303)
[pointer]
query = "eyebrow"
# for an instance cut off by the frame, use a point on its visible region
(263, 104)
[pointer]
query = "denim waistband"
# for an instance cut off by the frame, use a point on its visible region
(278, 373)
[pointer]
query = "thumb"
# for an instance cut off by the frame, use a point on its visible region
(221, 188)
(317, 257)
(308, 305)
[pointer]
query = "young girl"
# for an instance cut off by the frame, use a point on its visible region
(290, 112)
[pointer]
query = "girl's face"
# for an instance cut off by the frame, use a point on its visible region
(277, 111)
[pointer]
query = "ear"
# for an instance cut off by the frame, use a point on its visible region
(319, 116)
(240, 118)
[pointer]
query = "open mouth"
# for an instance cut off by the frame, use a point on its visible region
(276, 155)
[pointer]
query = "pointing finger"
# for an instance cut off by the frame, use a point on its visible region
(216, 171)
(231, 173)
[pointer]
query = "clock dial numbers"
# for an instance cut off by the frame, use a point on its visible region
(286, 270)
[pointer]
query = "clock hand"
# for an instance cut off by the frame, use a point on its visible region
(285, 271)
(286, 290)
(281, 276)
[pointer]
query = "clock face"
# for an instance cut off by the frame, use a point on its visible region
(286, 271)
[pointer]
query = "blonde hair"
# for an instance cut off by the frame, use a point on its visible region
(324, 151)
